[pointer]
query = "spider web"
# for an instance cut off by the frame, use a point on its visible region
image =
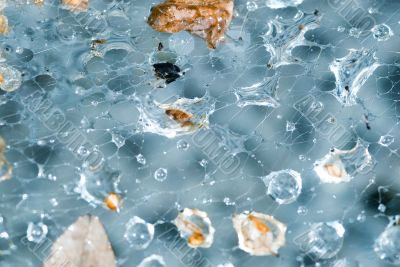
(105, 89)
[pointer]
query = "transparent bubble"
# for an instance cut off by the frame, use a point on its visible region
(382, 32)
(36, 232)
(274, 4)
(10, 78)
(139, 233)
(141, 159)
(153, 261)
(283, 186)
(182, 145)
(387, 245)
(322, 240)
(182, 43)
(161, 174)
(386, 140)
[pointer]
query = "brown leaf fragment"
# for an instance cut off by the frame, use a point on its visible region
(4, 25)
(83, 244)
(208, 19)
(76, 5)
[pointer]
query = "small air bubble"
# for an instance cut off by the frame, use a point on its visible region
(141, 159)
(161, 174)
(182, 145)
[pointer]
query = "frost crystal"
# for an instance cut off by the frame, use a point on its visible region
(139, 233)
(260, 93)
(387, 245)
(284, 35)
(283, 186)
(351, 72)
(342, 165)
(259, 234)
(195, 226)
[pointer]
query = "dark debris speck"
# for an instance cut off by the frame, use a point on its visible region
(167, 71)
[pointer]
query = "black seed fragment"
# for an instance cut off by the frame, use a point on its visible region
(160, 46)
(167, 71)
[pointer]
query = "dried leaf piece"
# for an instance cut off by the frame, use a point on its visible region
(208, 19)
(76, 5)
(4, 25)
(84, 244)
(38, 2)
(5, 167)
(180, 116)
(259, 234)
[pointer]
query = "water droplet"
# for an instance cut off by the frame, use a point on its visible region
(251, 6)
(259, 234)
(141, 159)
(10, 78)
(161, 174)
(355, 32)
(387, 245)
(118, 139)
(361, 217)
(341, 29)
(274, 4)
(382, 32)
(36, 232)
(195, 226)
(302, 210)
(182, 145)
(153, 261)
(290, 126)
(382, 208)
(386, 140)
(340, 166)
(139, 233)
(283, 186)
(323, 240)
(203, 163)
